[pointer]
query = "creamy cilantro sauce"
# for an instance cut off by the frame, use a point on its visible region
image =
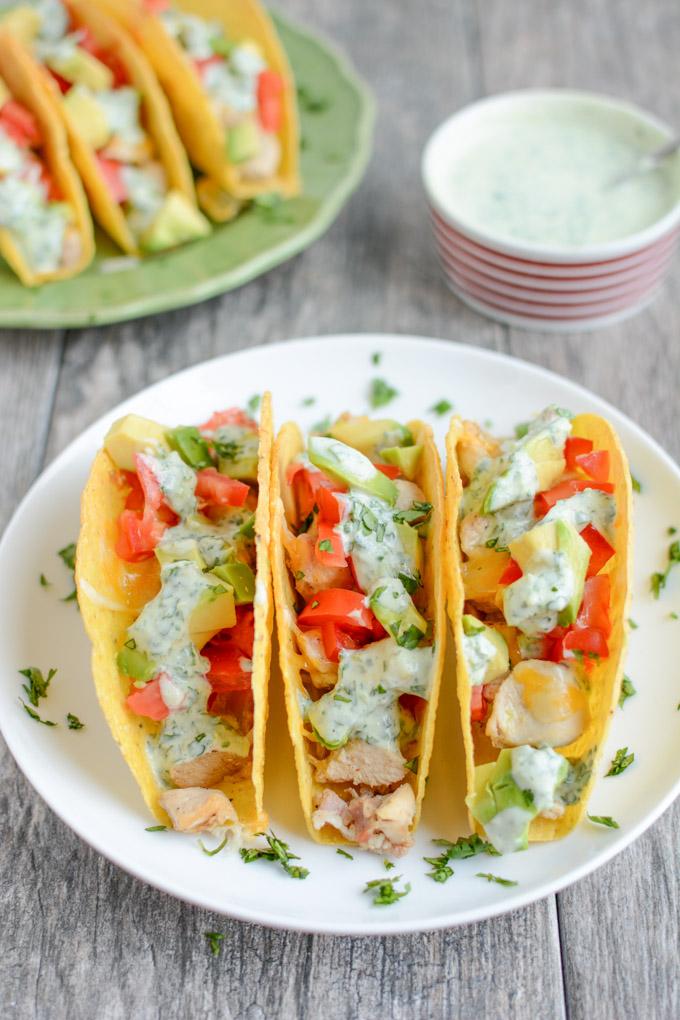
(542, 177)
(121, 108)
(534, 601)
(588, 507)
(177, 481)
(478, 652)
(364, 702)
(371, 537)
(215, 543)
(539, 771)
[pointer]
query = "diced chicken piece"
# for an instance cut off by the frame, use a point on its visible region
(123, 151)
(474, 444)
(408, 493)
(311, 576)
(539, 703)
(382, 823)
(474, 530)
(323, 672)
(363, 765)
(198, 810)
(333, 810)
(208, 769)
(72, 247)
(266, 162)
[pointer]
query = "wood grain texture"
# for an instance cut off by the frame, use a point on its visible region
(80, 938)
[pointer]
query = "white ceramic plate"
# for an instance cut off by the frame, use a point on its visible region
(84, 780)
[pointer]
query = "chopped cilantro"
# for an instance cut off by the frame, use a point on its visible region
(74, 722)
(627, 690)
(156, 828)
(277, 850)
(37, 683)
(341, 697)
(381, 393)
(215, 850)
(673, 615)
(299, 575)
(68, 556)
(466, 846)
(495, 878)
(308, 401)
(658, 580)
(620, 762)
(419, 514)
(411, 637)
(44, 583)
(441, 407)
(343, 853)
(411, 583)
(215, 938)
(273, 209)
(306, 524)
(672, 531)
(604, 820)
(326, 545)
(521, 429)
(441, 871)
(635, 483)
(632, 624)
(412, 765)
(34, 715)
(376, 357)
(384, 890)
(388, 865)
(322, 427)
(253, 403)
(315, 603)
(310, 101)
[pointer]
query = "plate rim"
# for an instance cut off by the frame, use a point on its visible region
(231, 279)
(513, 900)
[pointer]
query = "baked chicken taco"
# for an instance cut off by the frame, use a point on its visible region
(173, 579)
(538, 563)
(45, 224)
(357, 518)
(231, 91)
(120, 130)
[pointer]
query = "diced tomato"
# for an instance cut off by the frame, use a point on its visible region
(307, 486)
(51, 187)
(202, 64)
(573, 448)
(595, 464)
(413, 704)
(346, 609)
(600, 550)
(269, 104)
(135, 497)
(329, 508)
(234, 703)
(230, 416)
(147, 701)
(587, 640)
(153, 497)
(544, 501)
(334, 640)
(335, 556)
(20, 124)
(220, 490)
(226, 671)
(477, 704)
(156, 6)
(110, 170)
(242, 634)
(64, 86)
(391, 470)
(594, 611)
(552, 645)
(512, 572)
(138, 535)
(379, 631)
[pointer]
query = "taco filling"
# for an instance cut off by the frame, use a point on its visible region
(245, 94)
(190, 500)
(354, 549)
(32, 210)
(108, 113)
(536, 529)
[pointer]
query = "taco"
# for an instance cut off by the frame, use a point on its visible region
(538, 565)
(357, 518)
(45, 224)
(230, 88)
(172, 572)
(120, 129)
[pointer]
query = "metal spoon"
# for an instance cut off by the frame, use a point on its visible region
(650, 161)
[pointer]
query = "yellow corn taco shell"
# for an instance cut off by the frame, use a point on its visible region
(16, 70)
(156, 117)
(605, 676)
(289, 444)
(112, 593)
(199, 128)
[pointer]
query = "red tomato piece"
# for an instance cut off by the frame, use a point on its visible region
(587, 640)
(600, 550)
(413, 704)
(202, 64)
(138, 535)
(156, 6)
(477, 704)
(153, 496)
(329, 508)
(220, 490)
(269, 103)
(64, 86)
(226, 671)
(335, 556)
(230, 416)
(242, 634)
(574, 447)
(346, 609)
(334, 640)
(135, 497)
(544, 501)
(110, 170)
(512, 572)
(20, 124)
(307, 486)
(594, 611)
(595, 464)
(50, 185)
(391, 470)
(147, 701)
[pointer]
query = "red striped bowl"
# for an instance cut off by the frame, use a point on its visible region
(543, 286)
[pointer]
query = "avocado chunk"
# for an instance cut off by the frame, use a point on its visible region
(485, 650)
(535, 463)
(131, 435)
(81, 68)
(557, 536)
(411, 544)
(394, 607)
(88, 115)
(350, 467)
(214, 612)
(176, 222)
(370, 434)
(406, 458)
(243, 141)
(240, 578)
(496, 792)
(548, 458)
(135, 664)
(181, 549)
(237, 451)
(23, 22)
(188, 442)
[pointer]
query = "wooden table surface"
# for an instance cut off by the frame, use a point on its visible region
(81, 939)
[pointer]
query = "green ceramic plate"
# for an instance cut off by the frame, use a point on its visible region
(336, 121)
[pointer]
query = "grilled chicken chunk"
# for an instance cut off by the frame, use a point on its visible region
(197, 810)
(379, 823)
(363, 765)
(539, 703)
(208, 769)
